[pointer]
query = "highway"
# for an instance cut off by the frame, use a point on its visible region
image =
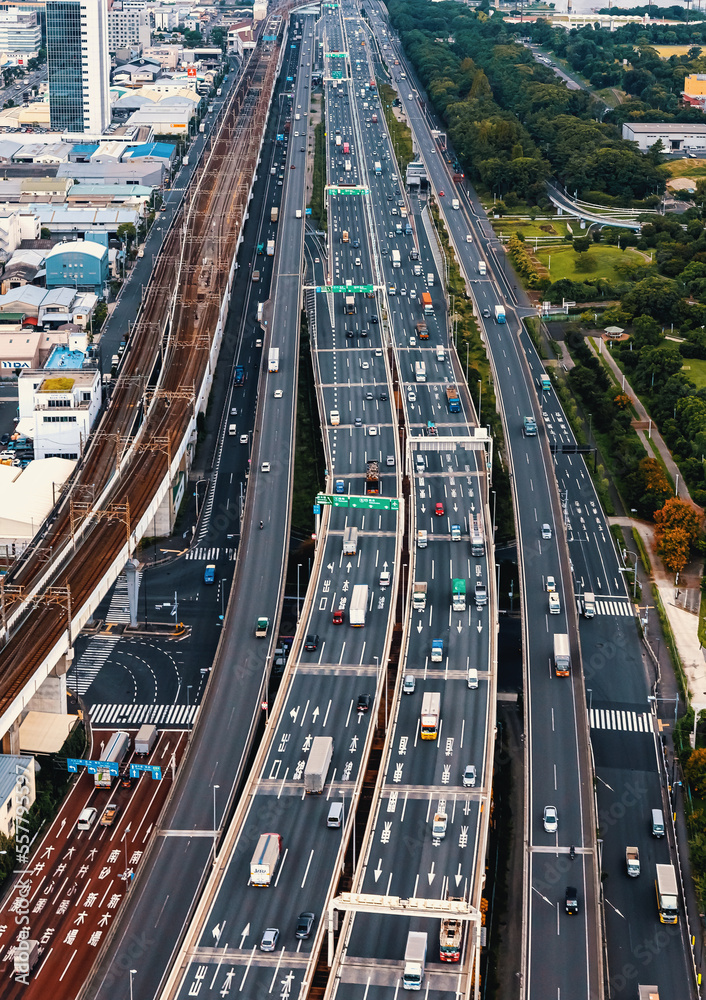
(623, 742)
(206, 789)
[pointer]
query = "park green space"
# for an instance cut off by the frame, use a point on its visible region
(562, 262)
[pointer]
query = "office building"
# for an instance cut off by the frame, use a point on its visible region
(127, 28)
(20, 32)
(79, 65)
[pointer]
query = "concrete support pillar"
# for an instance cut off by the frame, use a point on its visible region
(11, 739)
(51, 696)
(133, 588)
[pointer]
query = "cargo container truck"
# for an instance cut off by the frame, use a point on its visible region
(264, 860)
(358, 605)
(437, 650)
(273, 360)
(427, 303)
(477, 543)
(667, 893)
(499, 314)
(318, 764)
(453, 399)
(114, 753)
(274, 213)
(429, 719)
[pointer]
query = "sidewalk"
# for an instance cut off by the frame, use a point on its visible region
(644, 417)
(681, 605)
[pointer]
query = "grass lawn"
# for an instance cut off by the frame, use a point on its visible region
(563, 262)
(667, 51)
(612, 96)
(695, 369)
(686, 168)
(508, 227)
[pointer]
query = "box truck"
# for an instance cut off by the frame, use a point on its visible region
(632, 861)
(350, 541)
(454, 204)
(427, 303)
(453, 399)
(500, 314)
(481, 267)
(274, 213)
(415, 955)
(318, 764)
(145, 739)
(419, 595)
(437, 650)
(273, 360)
(589, 604)
(458, 595)
(264, 860)
(530, 426)
(359, 605)
(562, 657)
(270, 248)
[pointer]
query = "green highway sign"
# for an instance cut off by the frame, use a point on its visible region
(348, 190)
(337, 55)
(337, 74)
(365, 503)
(347, 289)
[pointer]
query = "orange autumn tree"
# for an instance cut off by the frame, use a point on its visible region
(678, 526)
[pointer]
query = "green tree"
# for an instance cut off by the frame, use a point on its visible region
(582, 244)
(646, 332)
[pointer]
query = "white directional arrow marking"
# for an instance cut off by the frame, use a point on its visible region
(349, 564)
(216, 931)
(419, 626)
(315, 713)
(245, 933)
(384, 565)
(378, 871)
(480, 627)
(431, 876)
(458, 877)
(615, 908)
(459, 627)
(330, 567)
(423, 509)
(294, 712)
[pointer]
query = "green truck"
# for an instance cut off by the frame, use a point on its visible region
(458, 595)
(261, 627)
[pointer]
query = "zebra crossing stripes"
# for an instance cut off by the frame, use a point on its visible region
(615, 606)
(616, 718)
(92, 659)
(176, 716)
(119, 607)
(211, 554)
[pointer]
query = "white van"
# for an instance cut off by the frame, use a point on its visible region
(430, 279)
(87, 818)
(657, 823)
(440, 356)
(335, 815)
(472, 678)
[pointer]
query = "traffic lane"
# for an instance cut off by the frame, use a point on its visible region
(319, 703)
(227, 975)
(78, 879)
(555, 933)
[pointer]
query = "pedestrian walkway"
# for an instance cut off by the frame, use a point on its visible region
(100, 647)
(642, 415)
(211, 553)
(631, 722)
(174, 716)
(615, 606)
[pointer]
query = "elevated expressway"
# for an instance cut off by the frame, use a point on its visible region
(147, 435)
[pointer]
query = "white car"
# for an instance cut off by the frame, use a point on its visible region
(278, 393)
(412, 341)
(411, 396)
(265, 467)
(551, 819)
(357, 262)
(413, 293)
(243, 438)
(469, 776)
(551, 584)
(469, 238)
(365, 365)
(372, 432)
(554, 604)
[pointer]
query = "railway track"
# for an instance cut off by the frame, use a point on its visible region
(153, 405)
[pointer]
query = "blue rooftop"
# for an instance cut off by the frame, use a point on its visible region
(85, 147)
(62, 358)
(163, 149)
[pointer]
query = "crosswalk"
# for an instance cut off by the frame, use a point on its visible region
(176, 716)
(627, 721)
(615, 606)
(211, 554)
(100, 647)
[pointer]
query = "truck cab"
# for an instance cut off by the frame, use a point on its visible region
(261, 627)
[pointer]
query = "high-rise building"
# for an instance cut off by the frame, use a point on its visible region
(79, 65)
(20, 31)
(127, 27)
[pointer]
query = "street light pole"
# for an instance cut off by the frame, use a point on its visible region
(480, 398)
(133, 972)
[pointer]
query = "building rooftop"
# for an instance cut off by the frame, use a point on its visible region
(25, 500)
(668, 127)
(66, 382)
(87, 247)
(85, 148)
(10, 768)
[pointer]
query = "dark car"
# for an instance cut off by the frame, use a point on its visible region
(572, 900)
(304, 925)
(349, 333)
(373, 318)
(364, 701)
(5, 439)
(312, 642)
(356, 243)
(383, 396)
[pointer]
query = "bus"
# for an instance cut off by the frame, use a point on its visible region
(667, 893)
(431, 709)
(118, 746)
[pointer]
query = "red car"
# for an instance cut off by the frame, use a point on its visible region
(441, 194)
(439, 509)
(338, 617)
(292, 167)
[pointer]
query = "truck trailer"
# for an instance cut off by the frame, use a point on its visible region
(562, 656)
(359, 605)
(117, 747)
(264, 860)
(318, 764)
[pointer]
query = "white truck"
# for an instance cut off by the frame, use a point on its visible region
(419, 596)
(396, 258)
(145, 739)
(25, 958)
(589, 604)
(350, 541)
(455, 204)
(481, 267)
(415, 956)
(632, 861)
(318, 764)
(273, 360)
(378, 168)
(359, 605)
(264, 860)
